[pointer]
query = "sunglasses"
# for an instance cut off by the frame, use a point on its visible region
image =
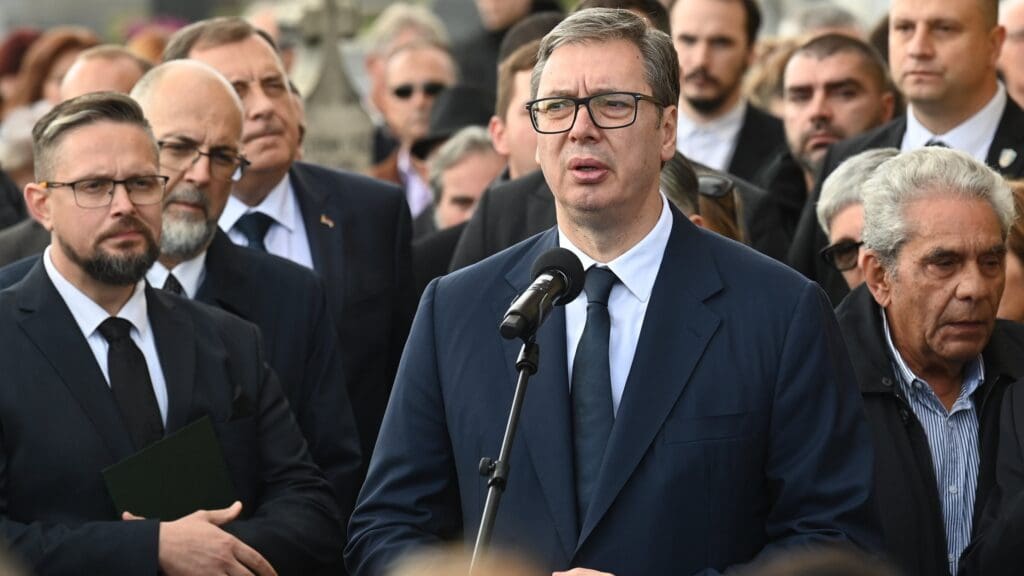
(714, 186)
(405, 91)
(842, 255)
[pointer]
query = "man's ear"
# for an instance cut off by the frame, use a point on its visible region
(698, 220)
(876, 277)
(496, 128)
(37, 200)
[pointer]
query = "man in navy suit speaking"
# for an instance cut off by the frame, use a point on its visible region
(694, 408)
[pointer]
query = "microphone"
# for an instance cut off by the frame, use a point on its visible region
(558, 279)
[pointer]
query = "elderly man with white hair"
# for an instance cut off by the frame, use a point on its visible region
(930, 357)
(841, 212)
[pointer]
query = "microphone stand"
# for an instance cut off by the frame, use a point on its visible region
(497, 471)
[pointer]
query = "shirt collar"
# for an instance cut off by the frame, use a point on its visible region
(973, 135)
(87, 313)
(279, 204)
(637, 268)
(189, 273)
(974, 371)
(730, 122)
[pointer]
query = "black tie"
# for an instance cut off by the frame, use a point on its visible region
(130, 384)
(254, 226)
(173, 286)
(935, 142)
(592, 413)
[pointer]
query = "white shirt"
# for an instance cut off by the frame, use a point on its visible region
(89, 315)
(286, 237)
(636, 269)
(711, 143)
(189, 273)
(417, 192)
(973, 136)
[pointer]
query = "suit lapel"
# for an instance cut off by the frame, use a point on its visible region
(326, 244)
(540, 208)
(677, 328)
(225, 281)
(176, 346)
(545, 421)
(48, 322)
(1006, 155)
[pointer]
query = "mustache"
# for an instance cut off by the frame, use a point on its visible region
(188, 194)
(128, 223)
(701, 74)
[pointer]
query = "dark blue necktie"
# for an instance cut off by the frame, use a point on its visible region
(592, 413)
(936, 143)
(130, 384)
(254, 226)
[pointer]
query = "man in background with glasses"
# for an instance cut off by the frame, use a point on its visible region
(415, 74)
(98, 366)
(693, 408)
(197, 120)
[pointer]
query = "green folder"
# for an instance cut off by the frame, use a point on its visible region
(173, 477)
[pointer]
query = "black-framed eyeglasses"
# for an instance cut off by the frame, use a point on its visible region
(180, 156)
(99, 192)
(608, 111)
(842, 255)
(405, 91)
(714, 186)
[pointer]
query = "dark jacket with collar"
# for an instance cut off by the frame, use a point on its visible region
(783, 179)
(760, 138)
(905, 487)
(810, 239)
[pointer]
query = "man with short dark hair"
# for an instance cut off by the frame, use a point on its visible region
(99, 366)
(717, 126)
(353, 230)
(931, 359)
(942, 55)
(666, 429)
(834, 87)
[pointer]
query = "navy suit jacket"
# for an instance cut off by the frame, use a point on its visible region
(359, 232)
(740, 428)
(287, 303)
(61, 427)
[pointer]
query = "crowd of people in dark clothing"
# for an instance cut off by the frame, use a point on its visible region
(807, 357)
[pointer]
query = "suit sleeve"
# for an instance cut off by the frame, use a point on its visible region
(470, 248)
(410, 497)
(820, 465)
(405, 295)
(998, 548)
(295, 524)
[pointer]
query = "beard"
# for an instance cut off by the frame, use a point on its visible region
(114, 269)
(714, 102)
(184, 236)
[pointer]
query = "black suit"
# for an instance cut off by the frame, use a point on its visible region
(512, 211)
(287, 303)
(810, 239)
(12, 204)
(432, 254)
(26, 238)
(62, 427)
(359, 232)
(761, 137)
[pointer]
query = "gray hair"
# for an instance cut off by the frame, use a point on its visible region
(400, 16)
(822, 16)
(842, 188)
(79, 112)
(919, 174)
(16, 135)
(468, 140)
(661, 65)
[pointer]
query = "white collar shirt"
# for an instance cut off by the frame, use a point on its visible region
(973, 136)
(711, 143)
(286, 237)
(417, 192)
(189, 273)
(637, 269)
(89, 315)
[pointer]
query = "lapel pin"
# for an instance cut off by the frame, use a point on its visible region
(1006, 157)
(330, 223)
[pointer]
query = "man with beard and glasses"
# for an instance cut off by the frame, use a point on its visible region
(98, 366)
(717, 126)
(197, 120)
(834, 87)
(929, 355)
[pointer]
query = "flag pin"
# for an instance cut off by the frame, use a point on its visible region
(1006, 157)
(330, 223)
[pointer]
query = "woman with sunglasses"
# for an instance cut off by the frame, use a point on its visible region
(841, 212)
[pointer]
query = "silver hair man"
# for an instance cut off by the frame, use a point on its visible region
(469, 140)
(843, 187)
(919, 174)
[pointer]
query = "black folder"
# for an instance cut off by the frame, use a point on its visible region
(174, 476)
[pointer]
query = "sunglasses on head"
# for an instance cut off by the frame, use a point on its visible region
(714, 186)
(842, 255)
(405, 91)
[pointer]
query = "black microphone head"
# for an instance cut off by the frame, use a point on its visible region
(566, 263)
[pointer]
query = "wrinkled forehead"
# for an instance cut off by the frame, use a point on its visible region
(588, 67)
